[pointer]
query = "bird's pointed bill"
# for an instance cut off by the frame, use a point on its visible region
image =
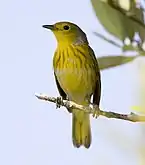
(51, 27)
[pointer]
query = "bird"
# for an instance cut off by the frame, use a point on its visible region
(77, 76)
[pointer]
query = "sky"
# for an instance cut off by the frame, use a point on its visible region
(34, 132)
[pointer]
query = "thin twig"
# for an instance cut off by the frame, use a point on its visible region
(93, 110)
(108, 40)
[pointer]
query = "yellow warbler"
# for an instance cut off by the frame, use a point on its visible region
(77, 76)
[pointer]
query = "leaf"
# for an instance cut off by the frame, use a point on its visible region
(138, 14)
(130, 47)
(106, 62)
(113, 20)
(125, 5)
(137, 48)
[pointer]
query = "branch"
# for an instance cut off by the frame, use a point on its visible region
(92, 110)
(108, 40)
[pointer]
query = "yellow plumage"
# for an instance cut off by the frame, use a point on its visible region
(77, 76)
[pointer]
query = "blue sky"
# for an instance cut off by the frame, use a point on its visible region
(33, 131)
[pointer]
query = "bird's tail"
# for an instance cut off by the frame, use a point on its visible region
(81, 131)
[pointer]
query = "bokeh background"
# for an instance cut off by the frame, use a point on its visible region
(34, 132)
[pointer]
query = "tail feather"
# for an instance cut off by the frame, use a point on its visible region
(81, 132)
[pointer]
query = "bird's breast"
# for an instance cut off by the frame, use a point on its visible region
(75, 74)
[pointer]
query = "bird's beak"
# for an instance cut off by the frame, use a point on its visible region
(51, 27)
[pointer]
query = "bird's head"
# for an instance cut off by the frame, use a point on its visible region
(67, 33)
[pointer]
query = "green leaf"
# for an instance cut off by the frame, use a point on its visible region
(138, 14)
(113, 20)
(106, 62)
(137, 48)
(130, 47)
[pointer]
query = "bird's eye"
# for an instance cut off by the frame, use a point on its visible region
(66, 27)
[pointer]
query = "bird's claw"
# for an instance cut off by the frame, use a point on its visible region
(96, 112)
(59, 102)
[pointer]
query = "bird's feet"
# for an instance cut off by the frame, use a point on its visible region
(96, 110)
(59, 102)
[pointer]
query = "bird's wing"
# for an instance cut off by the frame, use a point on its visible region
(97, 92)
(61, 92)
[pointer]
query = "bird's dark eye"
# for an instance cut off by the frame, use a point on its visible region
(66, 27)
